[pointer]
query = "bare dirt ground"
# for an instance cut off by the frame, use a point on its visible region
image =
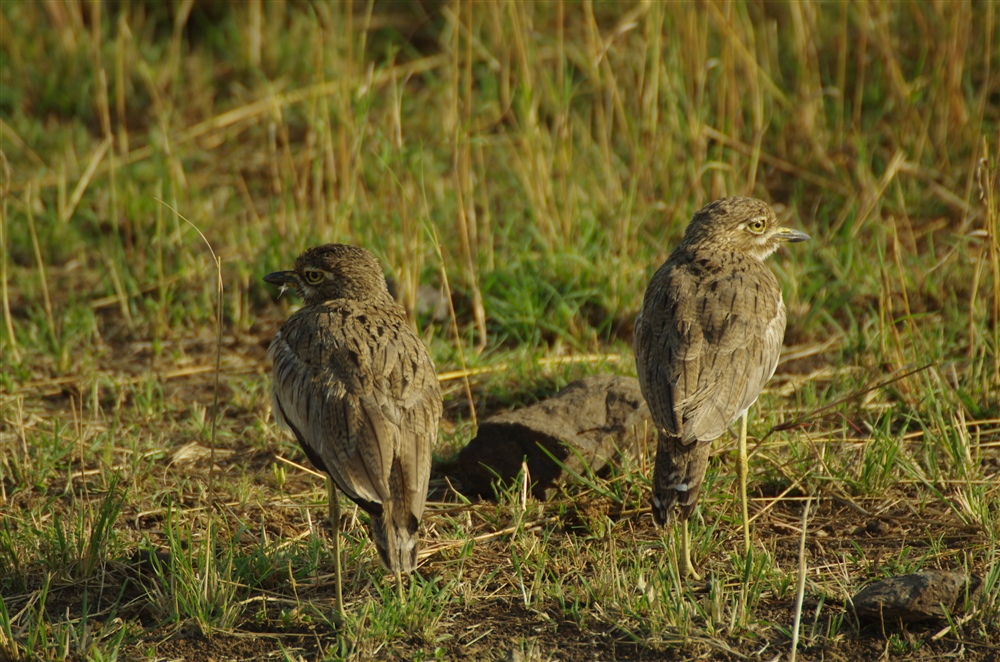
(851, 539)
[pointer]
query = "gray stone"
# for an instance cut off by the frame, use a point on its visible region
(588, 422)
(916, 597)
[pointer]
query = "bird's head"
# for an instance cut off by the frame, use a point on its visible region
(739, 225)
(334, 271)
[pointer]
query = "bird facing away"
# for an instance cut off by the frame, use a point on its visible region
(707, 339)
(358, 389)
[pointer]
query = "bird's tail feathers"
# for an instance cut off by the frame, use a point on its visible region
(677, 477)
(395, 532)
(397, 547)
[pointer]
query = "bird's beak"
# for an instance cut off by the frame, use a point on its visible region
(785, 234)
(282, 278)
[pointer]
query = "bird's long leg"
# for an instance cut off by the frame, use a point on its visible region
(741, 475)
(687, 568)
(399, 585)
(333, 502)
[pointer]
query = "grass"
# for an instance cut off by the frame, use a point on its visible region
(521, 169)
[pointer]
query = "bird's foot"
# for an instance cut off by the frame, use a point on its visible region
(688, 571)
(687, 568)
(337, 616)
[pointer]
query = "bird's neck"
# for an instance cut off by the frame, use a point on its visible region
(712, 254)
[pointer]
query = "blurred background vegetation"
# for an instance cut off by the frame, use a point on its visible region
(554, 150)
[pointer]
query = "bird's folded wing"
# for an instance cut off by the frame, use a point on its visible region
(328, 394)
(661, 339)
(422, 416)
(731, 349)
(410, 381)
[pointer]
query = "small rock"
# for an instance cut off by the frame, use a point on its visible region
(915, 597)
(878, 527)
(589, 421)
(433, 302)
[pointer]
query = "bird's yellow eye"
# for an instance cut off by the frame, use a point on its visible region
(756, 225)
(314, 276)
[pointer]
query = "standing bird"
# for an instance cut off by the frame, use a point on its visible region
(706, 341)
(358, 389)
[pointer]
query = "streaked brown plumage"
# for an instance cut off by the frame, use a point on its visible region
(707, 339)
(358, 389)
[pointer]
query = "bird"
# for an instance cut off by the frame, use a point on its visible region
(358, 389)
(706, 341)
